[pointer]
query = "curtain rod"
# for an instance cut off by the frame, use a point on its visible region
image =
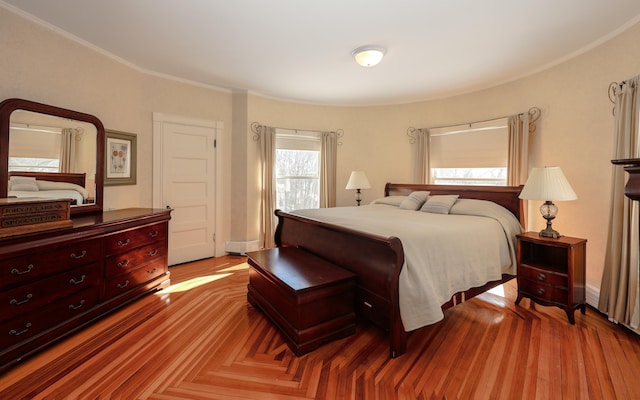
(534, 115)
(256, 128)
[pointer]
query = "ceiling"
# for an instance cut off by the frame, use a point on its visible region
(300, 50)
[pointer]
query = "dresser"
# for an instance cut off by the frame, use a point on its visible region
(53, 283)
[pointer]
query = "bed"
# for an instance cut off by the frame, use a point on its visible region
(49, 185)
(379, 260)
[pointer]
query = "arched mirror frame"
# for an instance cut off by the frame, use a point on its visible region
(10, 105)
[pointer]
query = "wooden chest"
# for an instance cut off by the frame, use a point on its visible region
(310, 300)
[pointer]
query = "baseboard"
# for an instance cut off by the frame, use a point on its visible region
(593, 296)
(241, 247)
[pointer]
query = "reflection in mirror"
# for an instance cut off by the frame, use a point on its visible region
(59, 154)
(51, 152)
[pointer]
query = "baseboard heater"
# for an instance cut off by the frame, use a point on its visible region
(241, 247)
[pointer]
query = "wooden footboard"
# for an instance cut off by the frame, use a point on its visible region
(375, 260)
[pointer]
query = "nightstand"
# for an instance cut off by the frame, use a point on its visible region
(551, 272)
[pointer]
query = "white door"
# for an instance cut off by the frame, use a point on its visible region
(186, 166)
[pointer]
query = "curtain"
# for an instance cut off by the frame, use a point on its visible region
(268, 201)
(517, 158)
(328, 162)
(421, 171)
(619, 286)
(68, 139)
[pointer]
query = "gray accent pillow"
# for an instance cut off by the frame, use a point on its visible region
(390, 200)
(439, 204)
(414, 201)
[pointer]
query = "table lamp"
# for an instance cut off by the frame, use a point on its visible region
(548, 184)
(358, 180)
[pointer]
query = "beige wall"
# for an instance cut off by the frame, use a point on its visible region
(40, 65)
(574, 132)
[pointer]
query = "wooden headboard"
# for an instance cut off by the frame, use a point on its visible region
(506, 196)
(77, 178)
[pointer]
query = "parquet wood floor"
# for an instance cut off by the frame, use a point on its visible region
(200, 340)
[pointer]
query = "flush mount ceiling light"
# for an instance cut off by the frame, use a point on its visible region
(368, 56)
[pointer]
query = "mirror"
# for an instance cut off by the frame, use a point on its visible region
(51, 152)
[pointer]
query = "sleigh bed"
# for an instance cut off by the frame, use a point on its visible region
(378, 259)
(49, 185)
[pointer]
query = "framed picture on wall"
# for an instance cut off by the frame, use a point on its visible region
(120, 158)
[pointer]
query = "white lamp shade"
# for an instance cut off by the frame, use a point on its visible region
(547, 183)
(368, 56)
(358, 180)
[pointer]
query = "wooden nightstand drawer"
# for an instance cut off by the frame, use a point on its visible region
(541, 291)
(543, 276)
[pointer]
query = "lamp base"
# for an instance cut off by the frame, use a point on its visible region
(549, 212)
(549, 231)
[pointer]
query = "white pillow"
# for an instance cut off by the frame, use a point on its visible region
(50, 185)
(414, 201)
(439, 204)
(23, 184)
(390, 200)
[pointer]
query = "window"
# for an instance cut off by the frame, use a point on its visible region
(34, 148)
(297, 169)
(34, 164)
(472, 154)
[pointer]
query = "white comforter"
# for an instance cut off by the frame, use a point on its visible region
(50, 194)
(444, 254)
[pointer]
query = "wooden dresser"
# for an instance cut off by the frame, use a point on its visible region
(53, 283)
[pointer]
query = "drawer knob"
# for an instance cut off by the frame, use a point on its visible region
(124, 242)
(16, 271)
(123, 285)
(542, 277)
(152, 252)
(16, 302)
(13, 332)
(79, 255)
(153, 234)
(123, 263)
(153, 271)
(541, 291)
(72, 307)
(74, 281)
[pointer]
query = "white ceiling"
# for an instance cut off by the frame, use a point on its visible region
(300, 50)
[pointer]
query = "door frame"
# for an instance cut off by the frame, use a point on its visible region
(159, 119)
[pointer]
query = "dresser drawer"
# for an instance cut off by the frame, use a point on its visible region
(124, 283)
(125, 241)
(123, 263)
(541, 291)
(543, 276)
(27, 298)
(28, 325)
(18, 270)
